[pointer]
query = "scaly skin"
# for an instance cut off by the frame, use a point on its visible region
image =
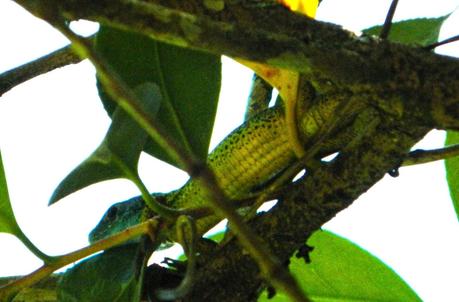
(246, 159)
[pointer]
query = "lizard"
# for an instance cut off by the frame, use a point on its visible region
(250, 156)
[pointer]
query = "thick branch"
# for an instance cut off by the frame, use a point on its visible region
(398, 78)
(230, 274)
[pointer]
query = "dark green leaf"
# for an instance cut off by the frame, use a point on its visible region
(8, 222)
(422, 31)
(452, 170)
(341, 271)
(115, 275)
(119, 150)
(189, 82)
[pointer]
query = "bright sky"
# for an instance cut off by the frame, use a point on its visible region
(50, 124)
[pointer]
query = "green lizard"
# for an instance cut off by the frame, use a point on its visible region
(250, 156)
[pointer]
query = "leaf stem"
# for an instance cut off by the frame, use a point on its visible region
(153, 204)
(34, 249)
(8, 222)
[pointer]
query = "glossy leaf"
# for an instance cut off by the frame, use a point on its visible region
(115, 275)
(120, 148)
(422, 31)
(189, 81)
(452, 170)
(342, 271)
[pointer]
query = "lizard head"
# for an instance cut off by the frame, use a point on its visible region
(120, 216)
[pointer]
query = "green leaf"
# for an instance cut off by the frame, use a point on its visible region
(189, 81)
(8, 222)
(342, 271)
(115, 275)
(422, 31)
(452, 170)
(118, 154)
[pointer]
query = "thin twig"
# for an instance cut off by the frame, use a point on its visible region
(446, 41)
(388, 22)
(417, 157)
(149, 227)
(59, 58)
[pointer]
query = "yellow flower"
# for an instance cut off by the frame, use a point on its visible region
(307, 7)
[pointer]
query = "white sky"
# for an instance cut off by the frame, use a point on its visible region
(50, 124)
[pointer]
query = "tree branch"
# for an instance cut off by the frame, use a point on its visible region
(59, 58)
(419, 156)
(397, 78)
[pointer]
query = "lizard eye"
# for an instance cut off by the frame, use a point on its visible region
(111, 214)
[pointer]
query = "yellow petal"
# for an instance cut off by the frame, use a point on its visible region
(306, 7)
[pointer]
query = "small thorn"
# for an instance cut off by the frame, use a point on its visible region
(388, 22)
(446, 41)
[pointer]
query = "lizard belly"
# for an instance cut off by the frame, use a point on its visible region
(251, 155)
